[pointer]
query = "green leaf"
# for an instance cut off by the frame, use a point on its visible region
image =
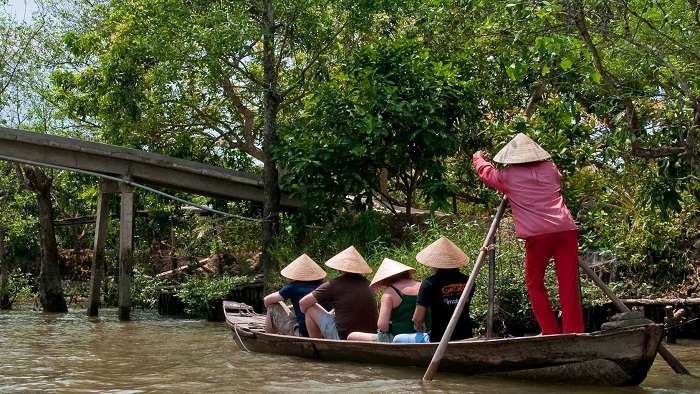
(565, 64)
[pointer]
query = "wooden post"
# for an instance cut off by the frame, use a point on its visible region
(173, 258)
(491, 290)
(672, 319)
(126, 255)
(98, 251)
(4, 273)
(440, 351)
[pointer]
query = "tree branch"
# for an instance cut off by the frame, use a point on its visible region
(633, 123)
(535, 98)
(687, 90)
(236, 65)
(20, 55)
(248, 119)
(313, 60)
(666, 37)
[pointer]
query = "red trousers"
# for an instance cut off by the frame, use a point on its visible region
(563, 247)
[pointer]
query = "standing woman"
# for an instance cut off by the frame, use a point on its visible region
(396, 305)
(532, 184)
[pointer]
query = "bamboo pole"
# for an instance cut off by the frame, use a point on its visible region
(672, 361)
(491, 289)
(437, 357)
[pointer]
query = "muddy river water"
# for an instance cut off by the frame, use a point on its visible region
(72, 353)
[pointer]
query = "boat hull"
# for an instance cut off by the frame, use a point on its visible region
(619, 357)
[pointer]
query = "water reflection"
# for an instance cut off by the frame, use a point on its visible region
(152, 354)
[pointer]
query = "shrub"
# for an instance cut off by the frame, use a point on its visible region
(146, 289)
(19, 288)
(198, 292)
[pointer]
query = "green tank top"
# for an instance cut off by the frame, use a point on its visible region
(402, 316)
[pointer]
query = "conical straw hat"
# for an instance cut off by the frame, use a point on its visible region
(442, 254)
(303, 268)
(349, 260)
(521, 149)
(388, 269)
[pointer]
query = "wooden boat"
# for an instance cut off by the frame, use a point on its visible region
(615, 357)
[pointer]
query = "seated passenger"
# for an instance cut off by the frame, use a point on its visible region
(441, 292)
(305, 276)
(397, 303)
(354, 305)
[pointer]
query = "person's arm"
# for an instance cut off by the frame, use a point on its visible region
(307, 302)
(272, 298)
(419, 318)
(487, 172)
(385, 307)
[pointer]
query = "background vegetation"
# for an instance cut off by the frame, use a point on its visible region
(362, 107)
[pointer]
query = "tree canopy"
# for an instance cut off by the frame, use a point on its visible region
(386, 101)
(392, 106)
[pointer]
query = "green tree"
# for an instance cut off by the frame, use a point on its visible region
(18, 242)
(21, 74)
(392, 106)
(18, 41)
(203, 80)
(50, 289)
(613, 96)
(648, 98)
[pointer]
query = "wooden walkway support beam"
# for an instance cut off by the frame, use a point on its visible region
(126, 249)
(98, 253)
(140, 166)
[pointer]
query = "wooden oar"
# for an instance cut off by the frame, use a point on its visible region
(672, 361)
(435, 362)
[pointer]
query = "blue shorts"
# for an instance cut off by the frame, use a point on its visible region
(419, 337)
(329, 329)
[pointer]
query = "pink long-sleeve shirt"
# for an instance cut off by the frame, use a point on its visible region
(534, 192)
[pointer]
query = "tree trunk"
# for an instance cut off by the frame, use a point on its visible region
(4, 273)
(50, 290)
(272, 99)
(384, 184)
(409, 200)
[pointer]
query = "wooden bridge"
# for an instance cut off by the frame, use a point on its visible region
(119, 169)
